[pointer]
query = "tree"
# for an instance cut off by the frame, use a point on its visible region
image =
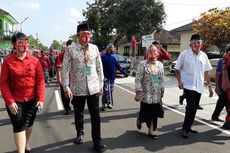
(35, 44)
(114, 19)
(214, 27)
(55, 45)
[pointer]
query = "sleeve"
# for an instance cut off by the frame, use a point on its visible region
(179, 63)
(139, 77)
(99, 69)
(40, 82)
(65, 70)
(162, 77)
(118, 67)
(164, 55)
(208, 65)
(4, 80)
(219, 67)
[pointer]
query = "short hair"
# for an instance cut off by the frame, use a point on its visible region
(69, 42)
(155, 42)
(82, 27)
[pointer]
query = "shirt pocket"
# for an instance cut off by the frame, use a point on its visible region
(15, 70)
(30, 70)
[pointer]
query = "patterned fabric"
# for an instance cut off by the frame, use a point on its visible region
(151, 85)
(74, 63)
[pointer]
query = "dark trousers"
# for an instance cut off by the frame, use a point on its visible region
(65, 101)
(93, 106)
(220, 104)
(193, 100)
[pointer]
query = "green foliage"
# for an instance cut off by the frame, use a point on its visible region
(214, 27)
(35, 44)
(55, 45)
(111, 20)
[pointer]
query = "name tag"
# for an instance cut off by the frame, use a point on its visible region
(155, 79)
(87, 70)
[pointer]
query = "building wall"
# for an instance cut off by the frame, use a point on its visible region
(185, 40)
(173, 48)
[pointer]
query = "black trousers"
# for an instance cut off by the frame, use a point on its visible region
(65, 101)
(193, 100)
(220, 104)
(93, 106)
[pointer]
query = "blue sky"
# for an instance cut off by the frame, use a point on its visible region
(56, 20)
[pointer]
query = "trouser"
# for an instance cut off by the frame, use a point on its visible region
(65, 101)
(220, 104)
(93, 106)
(46, 75)
(193, 100)
(107, 97)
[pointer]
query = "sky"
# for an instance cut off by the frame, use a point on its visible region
(50, 20)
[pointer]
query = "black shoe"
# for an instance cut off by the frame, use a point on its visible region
(193, 131)
(138, 124)
(110, 106)
(217, 119)
(66, 112)
(226, 125)
(28, 151)
(79, 139)
(153, 136)
(200, 108)
(99, 147)
(181, 100)
(185, 134)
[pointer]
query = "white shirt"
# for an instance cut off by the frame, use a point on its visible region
(192, 68)
(73, 68)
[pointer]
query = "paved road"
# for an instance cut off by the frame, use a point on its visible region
(54, 132)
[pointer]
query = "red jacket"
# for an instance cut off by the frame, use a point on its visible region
(22, 80)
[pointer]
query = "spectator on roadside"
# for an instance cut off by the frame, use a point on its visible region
(110, 66)
(45, 62)
(82, 63)
(58, 63)
(23, 90)
(222, 100)
(192, 68)
(226, 86)
(149, 88)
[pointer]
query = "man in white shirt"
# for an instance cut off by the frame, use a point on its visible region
(82, 70)
(192, 68)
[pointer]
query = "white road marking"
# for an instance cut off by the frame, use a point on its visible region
(58, 100)
(178, 112)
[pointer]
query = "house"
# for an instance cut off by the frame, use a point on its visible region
(7, 29)
(169, 41)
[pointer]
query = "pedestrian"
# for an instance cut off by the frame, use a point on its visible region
(226, 86)
(222, 100)
(162, 55)
(192, 68)
(82, 63)
(52, 57)
(58, 64)
(45, 62)
(23, 90)
(110, 66)
(149, 89)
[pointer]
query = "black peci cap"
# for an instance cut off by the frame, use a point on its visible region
(195, 37)
(82, 27)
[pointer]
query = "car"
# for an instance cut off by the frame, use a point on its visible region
(124, 63)
(172, 66)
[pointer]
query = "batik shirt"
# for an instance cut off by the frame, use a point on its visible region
(150, 85)
(86, 77)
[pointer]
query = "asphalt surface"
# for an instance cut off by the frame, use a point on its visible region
(54, 132)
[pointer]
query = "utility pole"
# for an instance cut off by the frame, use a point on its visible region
(22, 22)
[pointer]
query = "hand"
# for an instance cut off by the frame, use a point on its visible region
(162, 94)
(217, 90)
(39, 106)
(137, 97)
(100, 92)
(13, 108)
(210, 92)
(181, 86)
(68, 94)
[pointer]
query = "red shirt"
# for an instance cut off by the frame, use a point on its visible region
(22, 80)
(59, 60)
(45, 62)
(163, 55)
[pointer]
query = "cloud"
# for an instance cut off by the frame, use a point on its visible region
(27, 5)
(75, 12)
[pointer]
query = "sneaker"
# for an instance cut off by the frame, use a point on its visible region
(99, 147)
(110, 106)
(79, 139)
(103, 108)
(138, 124)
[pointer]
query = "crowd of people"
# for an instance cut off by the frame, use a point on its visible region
(84, 75)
